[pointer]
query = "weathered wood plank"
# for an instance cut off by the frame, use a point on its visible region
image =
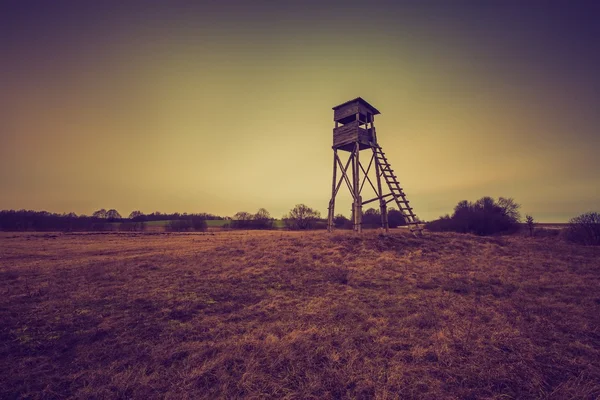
(346, 111)
(351, 132)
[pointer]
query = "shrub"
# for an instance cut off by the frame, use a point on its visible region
(319, 224)
(178, 225)
(199, 224)
(483, 217)
(132, 226)
(371, 218)
(584, 229)
(186, 225)
(443, 224)
(102, 226)
(341, 222)
(395, 218)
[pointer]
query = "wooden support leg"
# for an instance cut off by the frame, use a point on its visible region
(384, 216)
(333, 191)
(357, 197)
(359, 213)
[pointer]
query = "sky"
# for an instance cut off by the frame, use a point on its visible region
(225, 106)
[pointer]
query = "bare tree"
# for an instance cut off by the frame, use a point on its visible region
(262, 219)
(136, 214)
(100, 213)
(242, 220)
(585, 229)
(262, 214)
(243, 216)
(510, 208)
(113, 214)
(301, 217)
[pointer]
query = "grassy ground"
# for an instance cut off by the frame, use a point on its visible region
(297, 315)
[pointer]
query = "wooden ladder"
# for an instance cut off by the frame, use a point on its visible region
(397, 193)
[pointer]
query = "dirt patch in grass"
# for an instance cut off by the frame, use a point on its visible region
(297, 315)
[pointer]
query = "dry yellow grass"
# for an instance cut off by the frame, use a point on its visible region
(297, 316)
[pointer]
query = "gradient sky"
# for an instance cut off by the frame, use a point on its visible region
(225, 106)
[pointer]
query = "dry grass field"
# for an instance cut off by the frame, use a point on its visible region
(297, 316)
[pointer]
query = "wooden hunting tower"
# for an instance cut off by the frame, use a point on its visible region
(355, 131)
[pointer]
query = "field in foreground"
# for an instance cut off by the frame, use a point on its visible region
(298, 316)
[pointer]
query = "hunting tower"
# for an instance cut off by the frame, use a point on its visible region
(355, 131)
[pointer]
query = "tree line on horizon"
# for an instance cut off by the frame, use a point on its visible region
(303, 217)
(298, 218)
(100, 220)
(485, 216)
